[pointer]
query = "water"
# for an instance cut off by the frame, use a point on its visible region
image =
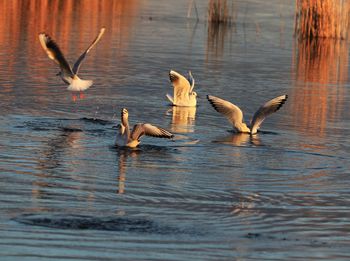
(67, 193)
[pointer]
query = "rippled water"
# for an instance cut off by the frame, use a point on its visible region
(66, 192)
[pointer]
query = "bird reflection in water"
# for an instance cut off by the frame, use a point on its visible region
(183, 119)
(239, 139)
(246, 206)
(68, 138)
(127, 157)
(52, 158)
(123, 155)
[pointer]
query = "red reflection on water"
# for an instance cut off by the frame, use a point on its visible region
(320, 68)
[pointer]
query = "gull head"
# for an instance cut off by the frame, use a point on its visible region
(124, 113)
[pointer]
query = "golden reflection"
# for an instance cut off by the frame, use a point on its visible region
(321, 71)
(121, 173)
(123, 155)
(240, 139)
(183, 119)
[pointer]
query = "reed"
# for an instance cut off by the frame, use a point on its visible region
(322, 19)
(216, 40)
(219, 12)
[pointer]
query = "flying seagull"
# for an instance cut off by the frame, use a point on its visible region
(68, 74)
(235, 116)
(125, 138)
(183, 90)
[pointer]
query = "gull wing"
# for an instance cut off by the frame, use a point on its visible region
(232, 112)
(82, 56)
(265, 110)
(141, 129)
(181, 86)
(54, 53)
(191, 81)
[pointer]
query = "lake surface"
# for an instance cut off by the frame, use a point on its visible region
(67, 193)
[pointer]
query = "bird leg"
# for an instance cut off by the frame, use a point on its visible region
(74, 97)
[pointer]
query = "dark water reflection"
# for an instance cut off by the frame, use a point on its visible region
(209, 194)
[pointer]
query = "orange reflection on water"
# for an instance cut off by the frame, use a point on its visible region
(240, 139)
(123, 155)
(183, 119)
(73, 24)
(320, 68)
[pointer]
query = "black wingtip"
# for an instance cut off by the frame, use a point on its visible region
(166, 133)
(285, 98)
(172, 76)
(211, 102)
(283, 101)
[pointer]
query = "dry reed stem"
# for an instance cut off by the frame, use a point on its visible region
(221, 19)
(322, 18)
(216, 39)
(219, 13)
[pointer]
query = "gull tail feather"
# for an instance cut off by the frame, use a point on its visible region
(78, 84)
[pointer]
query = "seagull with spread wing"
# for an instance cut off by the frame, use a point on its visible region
(125, 138)
(68, 74)
(235, 116)
(183, 90)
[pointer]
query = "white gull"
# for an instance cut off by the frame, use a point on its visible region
(183, 90)
(235, 116)
(68, 74)
(125, 138)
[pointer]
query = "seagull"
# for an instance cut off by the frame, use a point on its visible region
(125, 138)
(68, 74)
(183, 90)
(235, 116)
